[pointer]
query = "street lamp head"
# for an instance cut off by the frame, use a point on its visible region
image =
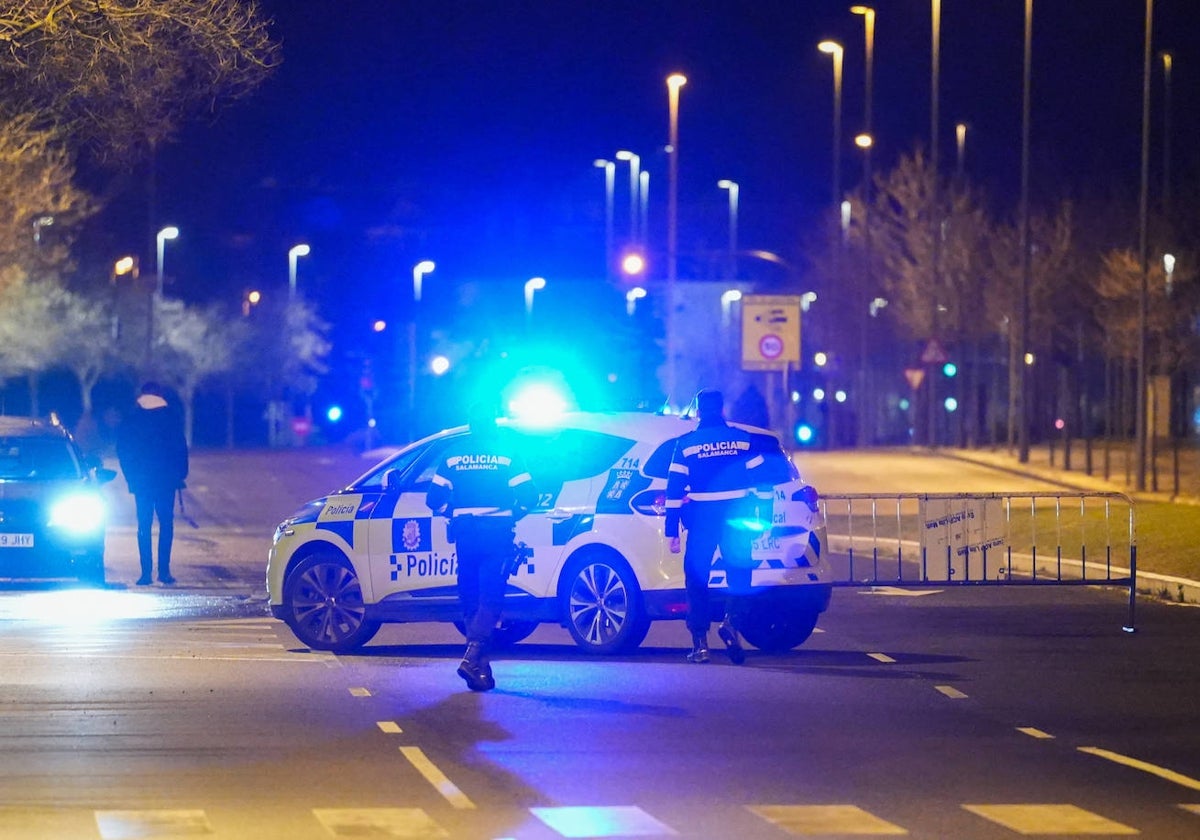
(864, 140)
(601, 163)
(676, 80)
(535, 283)
(830, 48)
(171, 232)
(425, 266)
(633, 264)
(730, 296)
(125, 265)
(726, 184)
(861, 10)
(301, 250)
(636, 293)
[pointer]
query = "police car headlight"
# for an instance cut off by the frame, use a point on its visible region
(78, 514)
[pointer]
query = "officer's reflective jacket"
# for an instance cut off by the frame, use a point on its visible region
(482, 474)
(715, 462)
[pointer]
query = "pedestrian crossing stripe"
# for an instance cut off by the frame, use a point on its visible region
(1049, 819)
(813, 820)
(378, 822)
(122, 825)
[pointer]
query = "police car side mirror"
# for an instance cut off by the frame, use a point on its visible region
(391, 480)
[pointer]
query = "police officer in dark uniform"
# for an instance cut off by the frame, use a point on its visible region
(716, 467)
(482, 486)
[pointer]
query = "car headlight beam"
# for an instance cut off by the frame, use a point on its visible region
(78, 513)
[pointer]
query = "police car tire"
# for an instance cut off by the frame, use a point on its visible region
(623, 625)
(774, 631)
(309, 586)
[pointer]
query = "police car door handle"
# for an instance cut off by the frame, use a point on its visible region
(558, 514)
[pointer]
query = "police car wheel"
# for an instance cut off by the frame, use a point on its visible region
(602, 603)
(776, 632)
(508, 633)
(324, 602)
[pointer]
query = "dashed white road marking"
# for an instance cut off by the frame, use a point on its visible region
(950, 691)
(416, 756)
(390, 727)
(360, 692)
(881, 657)
(1034, 733)
(1137, 764)
(822, 820)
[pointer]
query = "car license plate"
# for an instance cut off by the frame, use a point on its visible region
(16, 540)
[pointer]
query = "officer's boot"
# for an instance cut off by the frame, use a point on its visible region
(699, 652)
(146, 579)
(475, 669)
(733, 645)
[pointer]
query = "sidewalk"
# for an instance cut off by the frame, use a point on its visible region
(1172, 478)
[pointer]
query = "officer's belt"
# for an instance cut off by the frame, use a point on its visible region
(489, 512)
(718, 495)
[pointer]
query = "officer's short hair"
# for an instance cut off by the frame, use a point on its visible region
(710, 403)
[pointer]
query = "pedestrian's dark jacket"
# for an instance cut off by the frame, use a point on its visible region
(714, 462)
(481, 474)
(151, 447)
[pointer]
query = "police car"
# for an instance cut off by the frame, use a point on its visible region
(592, 553)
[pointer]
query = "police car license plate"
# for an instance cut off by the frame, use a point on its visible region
(16, 540)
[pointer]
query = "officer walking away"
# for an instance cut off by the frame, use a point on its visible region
(715, 466)
(153, 454)
(483, 488)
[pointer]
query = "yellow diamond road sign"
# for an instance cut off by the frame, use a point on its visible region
(770, 331)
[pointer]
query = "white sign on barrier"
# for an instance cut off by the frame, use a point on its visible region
(966, 527)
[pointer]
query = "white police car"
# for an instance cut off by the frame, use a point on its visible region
(597, 561)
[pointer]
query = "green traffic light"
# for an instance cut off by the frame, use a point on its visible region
(950, 369)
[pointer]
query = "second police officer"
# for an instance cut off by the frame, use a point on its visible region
(483, 488)
(717, 467)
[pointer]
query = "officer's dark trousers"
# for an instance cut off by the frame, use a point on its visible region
(713, 524)
(150, 504)
(484, 545)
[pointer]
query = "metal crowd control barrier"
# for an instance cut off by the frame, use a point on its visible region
(983, 539)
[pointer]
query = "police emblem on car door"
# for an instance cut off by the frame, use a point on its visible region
(409, 550)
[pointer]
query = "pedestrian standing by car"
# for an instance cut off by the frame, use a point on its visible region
(153, 454)
(716, 467)
(483, 488)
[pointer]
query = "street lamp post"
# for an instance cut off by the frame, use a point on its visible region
(39, 223)
(166, 233)
(868, 15)
(674, 82)
(960, 150)
(1168, 61)
(1140, 430)
(532, 285)
(294, 254)
(644, 199)
(631, 298)
(418, 273)
(610, 175)
(835, 49)
(635, 186)
(732, 186)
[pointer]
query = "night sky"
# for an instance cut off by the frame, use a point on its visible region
(465, 132)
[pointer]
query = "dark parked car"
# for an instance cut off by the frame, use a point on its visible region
(52, 512)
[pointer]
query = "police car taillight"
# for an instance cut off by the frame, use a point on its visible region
(807, 494)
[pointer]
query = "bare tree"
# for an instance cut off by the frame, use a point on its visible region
(122, 75)
(39, 203)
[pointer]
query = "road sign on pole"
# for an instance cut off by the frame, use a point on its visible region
(770, 331)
